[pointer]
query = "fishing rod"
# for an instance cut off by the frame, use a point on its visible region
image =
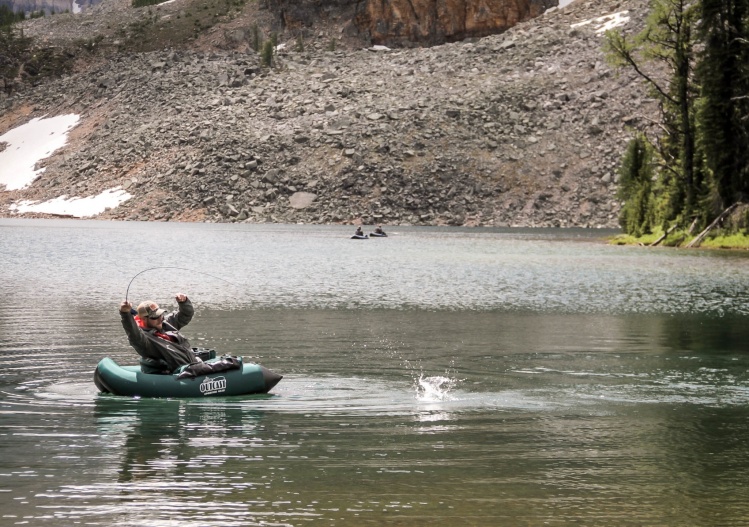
(127, 292)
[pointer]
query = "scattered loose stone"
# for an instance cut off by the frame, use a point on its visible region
(525, 128)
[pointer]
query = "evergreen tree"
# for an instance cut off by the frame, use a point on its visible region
(723, 73)
(14, 52)
(266, 55)
(8, 16)
(667, 42)
(635, 188)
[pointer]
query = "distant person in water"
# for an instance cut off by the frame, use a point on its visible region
(379, 230)
(155, 335)
(359, 232)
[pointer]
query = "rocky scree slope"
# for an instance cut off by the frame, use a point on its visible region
(525, 128)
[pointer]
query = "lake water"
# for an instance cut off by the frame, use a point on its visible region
(447, 377)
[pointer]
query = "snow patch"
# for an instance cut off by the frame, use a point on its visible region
(30, 143)
(75, 207)
(606, 22)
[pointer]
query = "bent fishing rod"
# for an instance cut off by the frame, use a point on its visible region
(127, 291)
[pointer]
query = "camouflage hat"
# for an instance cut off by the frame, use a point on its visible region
(149, 309)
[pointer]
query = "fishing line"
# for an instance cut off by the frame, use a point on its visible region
(127, 292)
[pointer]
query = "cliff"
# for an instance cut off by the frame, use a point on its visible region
(410, 22)
(404, 22)
(49, 6)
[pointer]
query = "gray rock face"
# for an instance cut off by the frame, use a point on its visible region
(49, 6)
(525, 128)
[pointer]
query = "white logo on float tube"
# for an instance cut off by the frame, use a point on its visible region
(213, 385)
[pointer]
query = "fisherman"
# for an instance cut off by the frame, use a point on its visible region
(379, 230)
(156, 337)
(359, 232)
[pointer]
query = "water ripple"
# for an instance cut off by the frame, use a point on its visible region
(318, 267)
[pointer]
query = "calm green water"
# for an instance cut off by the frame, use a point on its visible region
(437, 377)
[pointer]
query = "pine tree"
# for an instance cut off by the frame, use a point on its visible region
(635, 188)
(723, 73)
(266, 55)
(9, 17)
(667, 43)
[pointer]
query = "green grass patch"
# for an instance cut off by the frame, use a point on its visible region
(738, 240)
(627, 239)
(155, 31)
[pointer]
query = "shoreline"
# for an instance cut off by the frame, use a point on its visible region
(739, 242)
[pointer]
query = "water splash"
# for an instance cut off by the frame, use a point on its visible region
(436, 388)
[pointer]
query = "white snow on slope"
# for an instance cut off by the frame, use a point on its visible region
(606, 22)
(76, 207)
(28, 144)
